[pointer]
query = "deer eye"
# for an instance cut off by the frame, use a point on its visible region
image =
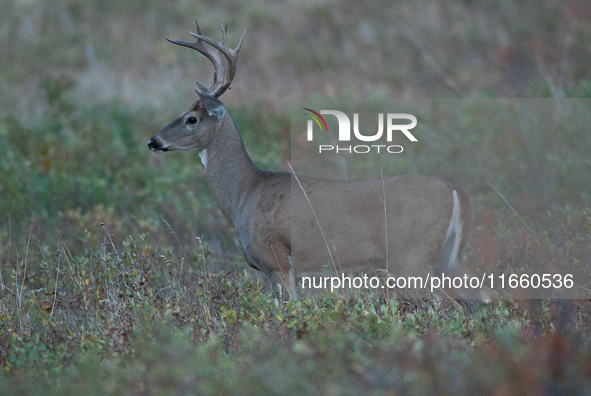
(191, 120)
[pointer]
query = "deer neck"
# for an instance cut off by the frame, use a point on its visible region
(229, 169)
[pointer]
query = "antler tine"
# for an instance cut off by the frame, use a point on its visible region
(224, 31)
(198, 28)
(240, 43)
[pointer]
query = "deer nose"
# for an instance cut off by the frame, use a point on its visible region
(155, 144)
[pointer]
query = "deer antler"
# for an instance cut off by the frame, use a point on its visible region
(221, 81)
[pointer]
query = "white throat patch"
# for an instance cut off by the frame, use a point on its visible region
(203, 156)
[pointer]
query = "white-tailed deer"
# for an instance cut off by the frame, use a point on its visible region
(412, 225)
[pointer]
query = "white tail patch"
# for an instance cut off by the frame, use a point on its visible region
(203, 156)
(455, 228)
(447, 260)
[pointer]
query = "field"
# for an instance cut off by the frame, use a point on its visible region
(119, 274)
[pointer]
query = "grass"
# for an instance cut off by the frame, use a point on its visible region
(137, 320)
(119, 275)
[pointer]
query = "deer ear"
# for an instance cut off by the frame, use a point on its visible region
(214, 107)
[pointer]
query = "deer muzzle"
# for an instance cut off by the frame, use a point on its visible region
(157, 145)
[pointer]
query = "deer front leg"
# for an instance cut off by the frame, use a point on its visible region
(282, 272)
(275, 263)
(250, 263)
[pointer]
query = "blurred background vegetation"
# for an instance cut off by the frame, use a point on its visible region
(84, 85)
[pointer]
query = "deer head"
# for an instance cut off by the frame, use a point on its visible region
(196, 128)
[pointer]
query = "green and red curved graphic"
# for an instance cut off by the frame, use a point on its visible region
(316, 119)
